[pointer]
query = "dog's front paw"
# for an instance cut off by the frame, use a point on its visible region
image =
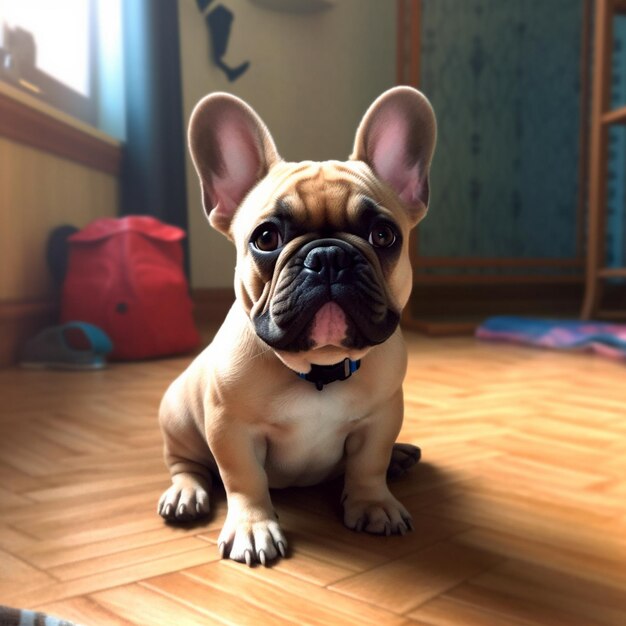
(379, 516)
(252, 538)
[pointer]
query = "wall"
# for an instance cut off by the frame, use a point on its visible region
(39, 191)
(311, 79)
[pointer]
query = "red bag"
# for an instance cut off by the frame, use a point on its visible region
(126, 276)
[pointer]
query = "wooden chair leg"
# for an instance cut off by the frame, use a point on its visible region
(598, 155)
(593, 296)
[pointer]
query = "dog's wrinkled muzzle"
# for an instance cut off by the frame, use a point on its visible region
(326, 294)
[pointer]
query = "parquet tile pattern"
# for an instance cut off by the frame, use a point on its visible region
(519, 504)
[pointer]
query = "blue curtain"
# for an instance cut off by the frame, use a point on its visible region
(153, 167)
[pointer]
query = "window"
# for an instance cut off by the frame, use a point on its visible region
(62, 53)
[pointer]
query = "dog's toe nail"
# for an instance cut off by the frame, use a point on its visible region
(182, 510)
(168, 510)
(222, 548)
(281, 549)
(359, 525)
(387, 529)
(402, 529)
(248, 557)
(262, 558)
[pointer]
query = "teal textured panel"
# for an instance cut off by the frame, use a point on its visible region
(504, 78)
(616, 191)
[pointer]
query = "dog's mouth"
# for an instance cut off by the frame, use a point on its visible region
(328, 294)
(329, 326)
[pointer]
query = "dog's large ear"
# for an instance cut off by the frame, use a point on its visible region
(232, 150)
(396, 138)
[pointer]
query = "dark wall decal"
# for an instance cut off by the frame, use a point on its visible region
(219, 22)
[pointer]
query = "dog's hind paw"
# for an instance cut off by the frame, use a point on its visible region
(385, 516)
(186, 500)
(403, 457)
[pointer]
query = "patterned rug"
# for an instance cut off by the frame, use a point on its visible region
(22, 617)
(600, 337)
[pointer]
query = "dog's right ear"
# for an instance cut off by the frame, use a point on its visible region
(396, 138)
(232, 150)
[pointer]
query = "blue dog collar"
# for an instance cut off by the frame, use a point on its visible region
(321, 375)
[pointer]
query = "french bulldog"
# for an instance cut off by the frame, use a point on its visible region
(303, 381)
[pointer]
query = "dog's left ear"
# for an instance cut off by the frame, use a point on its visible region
(396, 138)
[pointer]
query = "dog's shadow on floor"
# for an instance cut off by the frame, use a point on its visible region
(418, 484)
(312, 517)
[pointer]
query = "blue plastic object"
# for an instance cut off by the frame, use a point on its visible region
(75, 345)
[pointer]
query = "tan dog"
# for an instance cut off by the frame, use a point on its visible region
(303, 381)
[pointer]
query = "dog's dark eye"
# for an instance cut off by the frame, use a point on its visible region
(267, 238)
(382, 236)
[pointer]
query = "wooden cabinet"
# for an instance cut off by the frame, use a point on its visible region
(506, 229)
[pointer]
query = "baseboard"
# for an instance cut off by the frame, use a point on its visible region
(439, 328)
(211, 305)
(453, 309)
(20, 320)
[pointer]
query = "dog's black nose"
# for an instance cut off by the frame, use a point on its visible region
(331, 259)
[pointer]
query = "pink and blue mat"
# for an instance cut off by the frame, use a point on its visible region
(602, 338)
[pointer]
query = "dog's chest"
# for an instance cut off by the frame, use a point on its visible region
(305, 434)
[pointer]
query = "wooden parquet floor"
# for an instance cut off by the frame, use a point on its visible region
(519, 504)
